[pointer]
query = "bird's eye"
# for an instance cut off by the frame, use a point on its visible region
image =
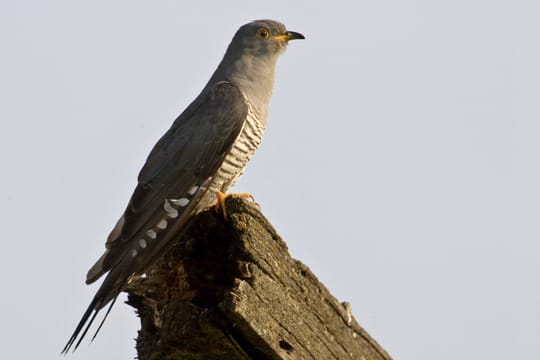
(263, 33)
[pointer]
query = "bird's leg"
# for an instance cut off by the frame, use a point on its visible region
(221, 197)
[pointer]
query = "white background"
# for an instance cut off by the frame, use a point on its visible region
(400, 162)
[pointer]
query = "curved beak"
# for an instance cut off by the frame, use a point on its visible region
(289, 35)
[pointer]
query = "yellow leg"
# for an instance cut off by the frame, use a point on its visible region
(221, 197)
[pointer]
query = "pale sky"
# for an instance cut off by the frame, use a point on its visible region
(400, 161)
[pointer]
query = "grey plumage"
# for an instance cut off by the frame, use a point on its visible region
(204, 151)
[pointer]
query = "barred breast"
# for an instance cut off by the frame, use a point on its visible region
(241, 152)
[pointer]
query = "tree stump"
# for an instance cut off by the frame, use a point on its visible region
(230, 290)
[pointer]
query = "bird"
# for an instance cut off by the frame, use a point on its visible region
(197, 160)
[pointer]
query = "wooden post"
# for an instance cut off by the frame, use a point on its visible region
(230, 290)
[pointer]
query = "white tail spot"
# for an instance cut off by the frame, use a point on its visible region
(171, 211)
(142, 243)
(162, 224)
(193, 190)
(151, 234)
(180, 202)
(134, 252)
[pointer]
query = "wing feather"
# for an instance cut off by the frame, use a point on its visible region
(189, 153)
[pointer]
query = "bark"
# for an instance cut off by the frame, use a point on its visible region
(230, 290)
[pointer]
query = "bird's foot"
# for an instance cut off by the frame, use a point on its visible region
(221, 197)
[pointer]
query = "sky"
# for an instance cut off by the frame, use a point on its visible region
(400, 162)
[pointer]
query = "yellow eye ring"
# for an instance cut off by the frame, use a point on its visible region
(263, 33)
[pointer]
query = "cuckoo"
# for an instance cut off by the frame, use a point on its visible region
(197, 159)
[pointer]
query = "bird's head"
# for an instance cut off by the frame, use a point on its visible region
(250, 59)
(263, 38)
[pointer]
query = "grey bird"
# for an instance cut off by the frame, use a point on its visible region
(204, 152)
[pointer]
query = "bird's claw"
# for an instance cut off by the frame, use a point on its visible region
(221, 198)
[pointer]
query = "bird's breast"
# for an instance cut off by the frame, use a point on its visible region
(239, 154)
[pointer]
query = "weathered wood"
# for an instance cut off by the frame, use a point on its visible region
(230, 290)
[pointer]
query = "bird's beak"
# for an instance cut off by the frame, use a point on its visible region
(289, 35)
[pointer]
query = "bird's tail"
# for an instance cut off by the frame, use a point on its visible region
(108, 292)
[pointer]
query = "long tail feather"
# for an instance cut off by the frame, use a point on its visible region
(104, 317)
(91, 308)
(108, 292)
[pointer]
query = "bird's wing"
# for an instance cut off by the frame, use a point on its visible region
(184, 158)
(179, 166)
